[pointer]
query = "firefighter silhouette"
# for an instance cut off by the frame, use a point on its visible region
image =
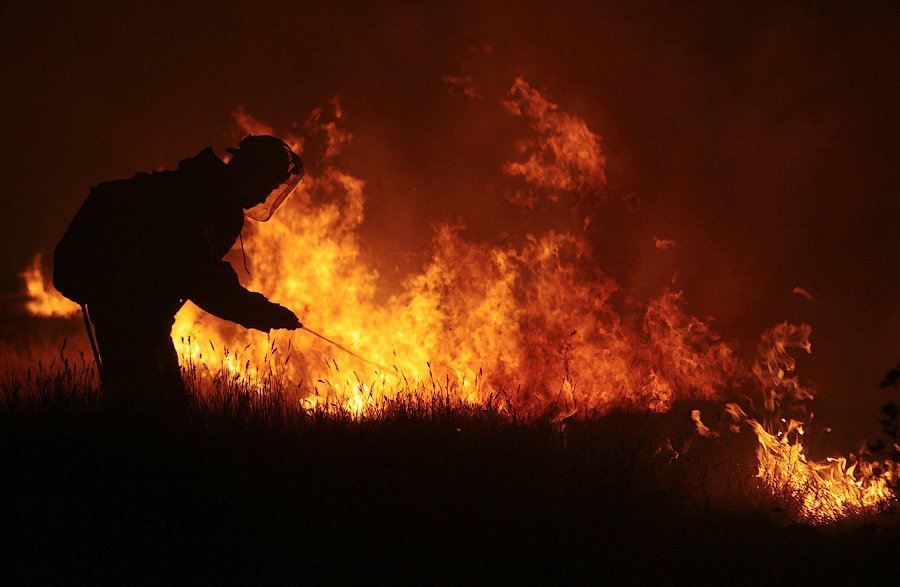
(139, 248)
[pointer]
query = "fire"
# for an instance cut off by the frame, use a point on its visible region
(531, 323)
(826, 490)
(43, 299)
(531, 320)
(820, 491)
(563, 156)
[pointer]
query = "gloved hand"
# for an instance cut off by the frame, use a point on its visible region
(283, 318)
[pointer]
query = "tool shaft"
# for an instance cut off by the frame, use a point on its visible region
(343, 348)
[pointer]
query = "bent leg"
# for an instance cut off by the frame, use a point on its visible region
(141, 375)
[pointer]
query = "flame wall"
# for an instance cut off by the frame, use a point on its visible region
(531, 317)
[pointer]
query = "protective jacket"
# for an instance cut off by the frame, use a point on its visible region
(160, 237)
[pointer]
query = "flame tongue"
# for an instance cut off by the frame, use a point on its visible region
(44, 300)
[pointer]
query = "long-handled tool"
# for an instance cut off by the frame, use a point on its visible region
(93, 341)
(343, 348)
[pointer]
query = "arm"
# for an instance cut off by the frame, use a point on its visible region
(216, 289)
(209, 230)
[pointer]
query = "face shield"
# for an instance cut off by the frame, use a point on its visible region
(265, 210)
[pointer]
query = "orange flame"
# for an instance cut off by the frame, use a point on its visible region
(43, 299)
(564, 156)
(825, 490)
(532, 320)
(822, 491)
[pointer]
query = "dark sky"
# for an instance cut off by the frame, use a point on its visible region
(763, 137)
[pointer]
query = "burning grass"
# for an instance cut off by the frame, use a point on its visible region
(424, 485)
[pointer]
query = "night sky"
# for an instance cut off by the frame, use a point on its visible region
(762, 137)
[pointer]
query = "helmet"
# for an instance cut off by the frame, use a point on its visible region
(270, 159)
